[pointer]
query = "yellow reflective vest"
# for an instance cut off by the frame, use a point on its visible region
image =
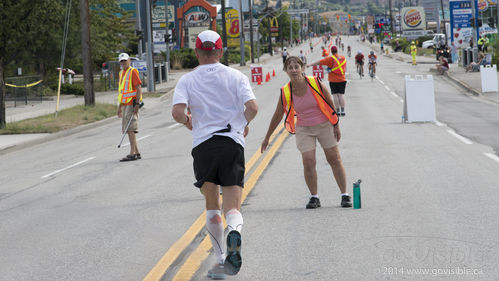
(126, 92)
(289, 111)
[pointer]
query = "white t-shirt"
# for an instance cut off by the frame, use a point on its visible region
(216, 95)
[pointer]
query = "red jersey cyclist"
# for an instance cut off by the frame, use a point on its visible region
(359, 62)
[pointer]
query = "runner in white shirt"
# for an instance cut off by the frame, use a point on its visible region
(222, 104)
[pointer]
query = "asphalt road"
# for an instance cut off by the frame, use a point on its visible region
(70, 211)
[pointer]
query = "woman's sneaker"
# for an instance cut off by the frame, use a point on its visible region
(314, 203)
(345, 201)
(233, 260)
(217, 272)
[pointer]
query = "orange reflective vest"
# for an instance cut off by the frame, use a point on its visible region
(289, 110)
(340, 67)
(126, 92)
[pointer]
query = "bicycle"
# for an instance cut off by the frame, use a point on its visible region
(372, 70)
(360, 70)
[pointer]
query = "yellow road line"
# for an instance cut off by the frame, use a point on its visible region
(193, 262)
(183, 242)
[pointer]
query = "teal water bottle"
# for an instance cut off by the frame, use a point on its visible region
(356, 195)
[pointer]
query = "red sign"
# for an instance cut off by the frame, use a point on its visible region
(256, 73)
(318, 71)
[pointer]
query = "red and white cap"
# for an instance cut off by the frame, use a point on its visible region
(209, 36)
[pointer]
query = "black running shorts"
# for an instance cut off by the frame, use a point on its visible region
(219, 160)
(338, 87)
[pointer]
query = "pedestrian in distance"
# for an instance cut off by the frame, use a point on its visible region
(129, 99)
(337, 67)
(443, 65)
(302, 57)
(221, 105)
(317, 120)
(284, 55)
(325, 52)
(414, 51)
(311, 46)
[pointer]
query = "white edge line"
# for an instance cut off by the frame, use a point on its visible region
(146, 136)
(68, 167)
(387, 88)
(492, 156)
(401, 100)
(440, 124)
(381, 82)
(174, 125)
(393, 94)
(459, 137)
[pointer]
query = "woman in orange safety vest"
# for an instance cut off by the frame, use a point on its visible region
(316, 120)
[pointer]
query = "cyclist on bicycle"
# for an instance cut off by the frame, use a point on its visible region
(359, 62)
(372, 63)
(349, 51)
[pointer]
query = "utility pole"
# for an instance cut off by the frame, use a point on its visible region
(167, 35)
(88, 77)
(150, 66)
(443, 19)
(250, 5)
(270, 37)
(224, 35)
(391, 17)
(138, 27)
(241, 34)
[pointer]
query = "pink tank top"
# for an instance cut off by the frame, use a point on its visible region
(308, 112)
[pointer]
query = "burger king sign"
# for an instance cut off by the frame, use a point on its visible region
(413, 18)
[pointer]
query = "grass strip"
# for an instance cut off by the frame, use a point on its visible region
(66, 119)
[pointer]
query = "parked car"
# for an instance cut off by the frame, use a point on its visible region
(428, 44)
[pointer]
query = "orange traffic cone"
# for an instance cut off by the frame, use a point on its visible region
(273, 72)
(267, 78)
(259, 80)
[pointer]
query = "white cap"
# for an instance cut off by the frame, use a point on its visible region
(123, 56)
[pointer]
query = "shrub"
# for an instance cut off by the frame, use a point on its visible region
(72, 89)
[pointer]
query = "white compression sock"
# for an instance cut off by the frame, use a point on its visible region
(215, 228)
(234, 220)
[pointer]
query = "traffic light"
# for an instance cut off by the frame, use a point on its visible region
(479, 22)
(168, 38)
(105, 66)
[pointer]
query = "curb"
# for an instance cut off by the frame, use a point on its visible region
(57, 135)
(464, 85)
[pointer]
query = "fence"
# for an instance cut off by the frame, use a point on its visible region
(23, 90)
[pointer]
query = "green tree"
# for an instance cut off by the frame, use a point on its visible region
(14, 14)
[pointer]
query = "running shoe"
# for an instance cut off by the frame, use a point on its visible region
(345, 201)
(233, 260)
(217, 272)
(313, 203)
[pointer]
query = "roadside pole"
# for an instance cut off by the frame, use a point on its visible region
(150, 65)
(251, 30)
(167, 42)
(241, 33)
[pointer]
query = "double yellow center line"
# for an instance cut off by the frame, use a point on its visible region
(192, 263)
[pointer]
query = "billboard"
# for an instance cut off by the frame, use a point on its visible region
(232, 26)
(413, 18)
(460, 15)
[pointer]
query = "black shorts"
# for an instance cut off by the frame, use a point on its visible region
(219, 160)
(338, 87)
